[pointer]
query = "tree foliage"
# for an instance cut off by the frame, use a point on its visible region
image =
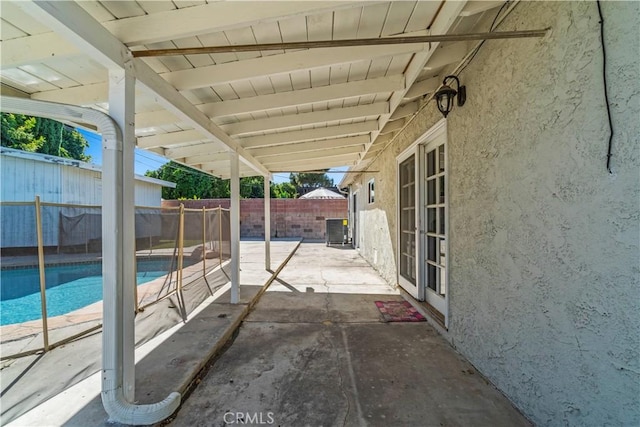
(41, 135)
(193, 184)
(310, 179)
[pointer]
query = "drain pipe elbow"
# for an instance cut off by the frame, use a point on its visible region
(123, 412)
(113, 399)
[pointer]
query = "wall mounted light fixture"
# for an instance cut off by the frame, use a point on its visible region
(446, 94)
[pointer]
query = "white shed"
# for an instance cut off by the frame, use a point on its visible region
(24, 175)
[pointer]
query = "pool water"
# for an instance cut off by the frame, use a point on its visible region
(69, 287)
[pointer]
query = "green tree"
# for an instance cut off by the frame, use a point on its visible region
(311, 179)
(284, 190)
(18, 131)
(190, 183)
(41, 135)
(194, 184)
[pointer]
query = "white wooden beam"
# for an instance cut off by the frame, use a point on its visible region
(313, 155)
(475, 7)
(73, 23)
(300, 147)
(405, 111)
(423, 87)
(216, 165)
(154, 118)
(448, 54)
(326, 163)
(36, 48)
(278, 64)
(77, 95)
(392, 126)
(293, 120)
(193, 150)
(309, 134)
(304, 96)
(172, 138)
(204, 158)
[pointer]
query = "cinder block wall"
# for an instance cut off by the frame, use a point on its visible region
(301, 218)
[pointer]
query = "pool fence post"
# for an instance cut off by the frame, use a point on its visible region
(180, 262)
(204, 249)
(43, 280)
(220, 234)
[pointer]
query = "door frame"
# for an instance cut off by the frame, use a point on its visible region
(418, 148)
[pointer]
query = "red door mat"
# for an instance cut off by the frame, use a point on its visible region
(399, 311)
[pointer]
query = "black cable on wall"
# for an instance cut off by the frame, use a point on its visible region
(604, 79)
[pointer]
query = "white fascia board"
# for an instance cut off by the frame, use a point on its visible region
(230, 72)
(293, 120)
(73, 23)
(304, 96)
(309, 134)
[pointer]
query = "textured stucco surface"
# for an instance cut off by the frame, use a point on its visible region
(544, 255)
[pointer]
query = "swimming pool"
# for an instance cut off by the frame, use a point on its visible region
(69, 287)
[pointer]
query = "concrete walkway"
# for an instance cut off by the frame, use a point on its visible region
(314, 352)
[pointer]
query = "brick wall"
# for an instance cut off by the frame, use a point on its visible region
(289, 217)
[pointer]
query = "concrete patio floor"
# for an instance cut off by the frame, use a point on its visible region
(315, 352)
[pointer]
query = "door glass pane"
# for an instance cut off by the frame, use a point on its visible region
(431, 248)
(442, 224)
(431, 192)
(431, 163)
(431, 276)
(442, 189)
(431, 220)
(441, 158)
(407, 220)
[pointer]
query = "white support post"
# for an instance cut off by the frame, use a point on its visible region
(235, 227)
(121, 205)
(267, 223)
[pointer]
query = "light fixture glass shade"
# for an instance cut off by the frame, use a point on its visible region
(444, 99)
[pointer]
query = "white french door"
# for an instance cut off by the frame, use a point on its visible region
(433, 224)
(407, 222)
(423, 219)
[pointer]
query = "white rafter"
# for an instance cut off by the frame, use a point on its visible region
(293, 120)
(285, 63)
(309, 134)
(325, 144)
(304, 96)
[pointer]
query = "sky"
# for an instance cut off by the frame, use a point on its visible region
(146, 160)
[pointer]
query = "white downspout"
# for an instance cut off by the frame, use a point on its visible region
(117, 406)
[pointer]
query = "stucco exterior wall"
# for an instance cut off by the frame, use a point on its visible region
(544, 256)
